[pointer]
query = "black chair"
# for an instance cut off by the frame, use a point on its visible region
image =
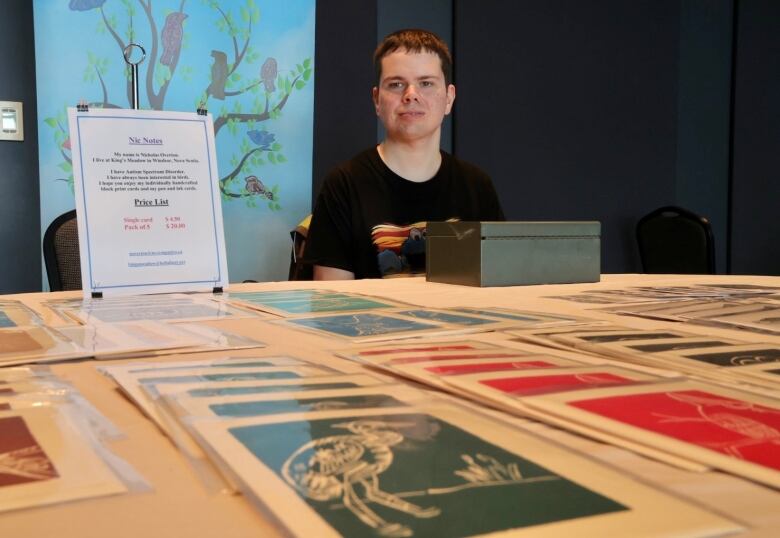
(61, 253)
(298, 269)
(674, 240)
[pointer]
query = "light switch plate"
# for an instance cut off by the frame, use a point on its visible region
(11, 121)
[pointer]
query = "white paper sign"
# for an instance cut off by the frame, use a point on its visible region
(148, 201)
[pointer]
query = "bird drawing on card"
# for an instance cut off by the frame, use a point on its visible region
(339, 467)
(725, 413)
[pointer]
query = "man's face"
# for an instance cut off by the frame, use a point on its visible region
(412, 97)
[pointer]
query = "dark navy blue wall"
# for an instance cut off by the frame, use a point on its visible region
(344, 121)
(704, 115)
(572, 107)
(20, 262)
(755, 200)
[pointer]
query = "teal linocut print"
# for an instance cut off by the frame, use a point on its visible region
(414, 475)
(248, 409)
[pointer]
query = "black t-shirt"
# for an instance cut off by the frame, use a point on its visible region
(371, 221)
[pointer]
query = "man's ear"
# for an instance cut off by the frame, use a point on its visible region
(450, 98)
(375, 98)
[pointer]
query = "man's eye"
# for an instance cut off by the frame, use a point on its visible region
(395, 85)
(426, 84)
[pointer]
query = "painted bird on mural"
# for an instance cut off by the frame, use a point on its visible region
(85, 5)
(255, 186)
(268, 74)
(264, 139)
(172, 34)
(219, 73)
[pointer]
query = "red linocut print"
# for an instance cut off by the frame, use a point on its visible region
(373, 352)
(543, 384)
(734, 427)
(21, 458)
(487, 367)
(455, 357)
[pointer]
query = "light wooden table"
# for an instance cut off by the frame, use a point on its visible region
(179, 504)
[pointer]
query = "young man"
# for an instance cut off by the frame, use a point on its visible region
(370, 217)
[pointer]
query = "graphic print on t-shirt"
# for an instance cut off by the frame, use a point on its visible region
(401, 249)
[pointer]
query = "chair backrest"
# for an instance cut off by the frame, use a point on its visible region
(676, 241)
(298, 269)
(61, 253)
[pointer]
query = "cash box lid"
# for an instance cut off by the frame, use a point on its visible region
(509, 229)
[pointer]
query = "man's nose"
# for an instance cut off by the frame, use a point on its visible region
(410, 94)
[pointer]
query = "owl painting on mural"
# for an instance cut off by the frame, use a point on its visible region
(172, 34)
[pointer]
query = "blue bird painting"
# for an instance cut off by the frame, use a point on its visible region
(264, 139)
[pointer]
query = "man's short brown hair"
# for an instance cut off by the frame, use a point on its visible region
(415, 41)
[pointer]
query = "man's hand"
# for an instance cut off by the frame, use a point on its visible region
(332, 273)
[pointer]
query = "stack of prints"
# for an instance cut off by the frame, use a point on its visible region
(51, 449)
(334, 454)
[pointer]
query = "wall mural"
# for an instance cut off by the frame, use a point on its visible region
(249, 62)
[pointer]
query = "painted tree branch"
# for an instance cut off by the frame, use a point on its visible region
(152, 59)
(102, 85)
(243, 118)
(238, 57)
(120, 42)
(233, 37)
(116, 36)
(244, 90)
(238, 167)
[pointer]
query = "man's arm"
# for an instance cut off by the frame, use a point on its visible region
(332, 273)
(329, 243)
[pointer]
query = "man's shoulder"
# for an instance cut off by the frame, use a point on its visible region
(464, 169)
(359, 166)
(359, 163)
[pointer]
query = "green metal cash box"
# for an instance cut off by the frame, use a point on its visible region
(513, 253)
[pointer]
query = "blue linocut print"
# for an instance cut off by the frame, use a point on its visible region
(334, 304)
(268, 389)
(5, 321)
(264, 296)
(445, 317)
(354, 325)
(251, 409)
(498, 314)
(239, 376)
(179, 312)
(223, 364)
